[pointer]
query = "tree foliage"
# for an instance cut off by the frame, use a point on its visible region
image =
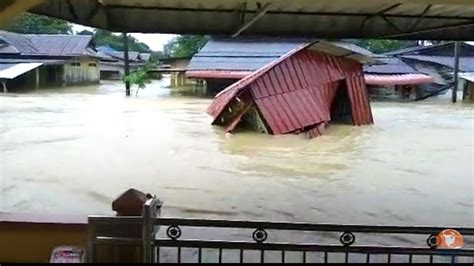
(28, 23)
(115, 41)
(185, 45)
(139, 77)
(383, 46)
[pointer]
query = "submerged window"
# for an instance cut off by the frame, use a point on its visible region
(76, 64)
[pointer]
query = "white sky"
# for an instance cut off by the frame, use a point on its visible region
(155, 41)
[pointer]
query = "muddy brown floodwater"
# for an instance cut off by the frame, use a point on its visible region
(74, 150)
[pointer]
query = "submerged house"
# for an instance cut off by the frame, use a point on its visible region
(36, 60)
(223, 61)
(300, 92)
(437, 61)
(391, 78)
(112, 62)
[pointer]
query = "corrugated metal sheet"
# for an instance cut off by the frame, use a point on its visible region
(359, 98)
(295, 92)
(242, 54)
(467, 76)
(404, 79)
(465, 63)
(48, 44)
(389, 66)
(218, 74)
(14, 70)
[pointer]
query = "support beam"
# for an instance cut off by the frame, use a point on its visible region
(11, 8)
(4, 86)
(420, 19)
(457, 52)
(37, 80)
(261, 12)
(127, 63)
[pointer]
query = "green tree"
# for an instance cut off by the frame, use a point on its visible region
(36, 24)
(139, 77)
(383, 46)
(185, 45)
(115, 41)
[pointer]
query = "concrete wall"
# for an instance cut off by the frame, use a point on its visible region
(32, 238)
(82, 71)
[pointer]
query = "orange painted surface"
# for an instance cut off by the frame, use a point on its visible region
(32, 238)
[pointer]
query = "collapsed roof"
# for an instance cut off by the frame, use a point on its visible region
(296, 92)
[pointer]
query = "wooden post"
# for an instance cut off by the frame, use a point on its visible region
(457, 51)
(4, 85)
(37, 80)
(127, 63)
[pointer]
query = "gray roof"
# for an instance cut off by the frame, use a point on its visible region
(29, 60)
(243, 54)
(389, 65)
(47, 44)
(5, 66)
(420, 50)
(465, 63)
(145, 56)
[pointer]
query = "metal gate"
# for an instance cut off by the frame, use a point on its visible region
(221, 241)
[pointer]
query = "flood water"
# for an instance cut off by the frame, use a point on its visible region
(73, 150)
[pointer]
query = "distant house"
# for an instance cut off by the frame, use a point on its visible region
(391, 78)
(112, 62)
(300, 92)
(437, 61)
(176, 66)
(33, 61)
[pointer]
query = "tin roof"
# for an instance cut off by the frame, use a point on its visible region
(389, 65)
(397, 79)
(11, 71)
(429, 49)
(466, 64)
(241, 54)
(46, 44)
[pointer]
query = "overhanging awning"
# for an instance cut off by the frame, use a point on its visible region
(11, 71)
(467, 76)
(335, 19)
(401, 79)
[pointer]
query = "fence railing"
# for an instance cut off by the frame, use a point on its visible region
(200, 240)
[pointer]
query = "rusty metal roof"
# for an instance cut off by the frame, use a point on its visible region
(295, 92)
(403, 19)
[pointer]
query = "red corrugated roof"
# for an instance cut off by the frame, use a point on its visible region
(217, 74)
(224, 97)
(295, 92)
(402, 79)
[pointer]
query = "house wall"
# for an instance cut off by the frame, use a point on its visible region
(82, 71)
(179, 63)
